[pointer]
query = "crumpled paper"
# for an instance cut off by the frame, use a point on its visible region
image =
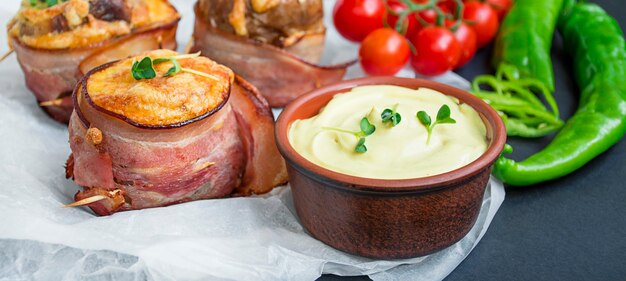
(255, 238)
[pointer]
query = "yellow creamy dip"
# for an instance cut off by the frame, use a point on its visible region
(399, 152)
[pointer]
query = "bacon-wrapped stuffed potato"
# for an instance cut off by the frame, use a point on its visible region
(274, 44)
(58, 41)
(188, 129)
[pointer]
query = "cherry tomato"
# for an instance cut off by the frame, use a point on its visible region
(410, 25)
(384, 52)
(448, 4)
(467, 39)
(483, 19)
(437, 51)
(501, 7)
(355, 19)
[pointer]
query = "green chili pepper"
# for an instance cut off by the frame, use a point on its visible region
(525, 39)
(523, 113)
(524, 70)
(597, 45)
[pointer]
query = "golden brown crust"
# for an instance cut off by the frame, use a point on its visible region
(278, 22)
(71, 25)
(160, 101)
(94, 136)
(262, 6)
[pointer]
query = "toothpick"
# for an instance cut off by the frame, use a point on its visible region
(56, 102)
(86, 201)
(92, 199)
(7, 55)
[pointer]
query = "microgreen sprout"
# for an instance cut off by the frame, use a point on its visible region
(174, 69)
(390, 115)
(49, 3)
(144, 69)
(367, 129)
(443, 117)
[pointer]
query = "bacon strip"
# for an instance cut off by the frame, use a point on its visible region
(230, 151)
(278, 74)
(265, 167)
(52, 74)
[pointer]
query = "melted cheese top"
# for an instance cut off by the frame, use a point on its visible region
(84, 29)
(160, 101)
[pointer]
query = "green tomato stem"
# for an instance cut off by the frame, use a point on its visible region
(413, 7)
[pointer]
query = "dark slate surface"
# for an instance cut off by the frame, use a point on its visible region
(573, 228)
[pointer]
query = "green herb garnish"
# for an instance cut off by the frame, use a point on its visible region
(51, 3)
(360, 146)
(390, 115)
(443, 117)
(48, 3)
(366, 129)
(145, 68)
(174, 69)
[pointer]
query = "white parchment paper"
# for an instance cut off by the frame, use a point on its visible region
(257, 238)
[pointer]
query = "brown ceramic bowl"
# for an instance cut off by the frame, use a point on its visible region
(387, 219)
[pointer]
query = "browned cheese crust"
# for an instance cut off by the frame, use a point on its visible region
(161, 101)
(278, 22)
(81, 23)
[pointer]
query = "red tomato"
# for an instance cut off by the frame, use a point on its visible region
(448, 4)
(467, 39)
(384, 52)
(502, 7)
(410, 25)
(355, 19)
(483, 19)
(437, 51)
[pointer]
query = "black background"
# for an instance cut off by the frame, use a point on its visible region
(573, 228)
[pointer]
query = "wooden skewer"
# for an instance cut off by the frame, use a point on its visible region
(6, 55)
(92, 199)
(86, 201)
(56, 102)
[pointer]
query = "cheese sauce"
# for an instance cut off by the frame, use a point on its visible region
(399, 152)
